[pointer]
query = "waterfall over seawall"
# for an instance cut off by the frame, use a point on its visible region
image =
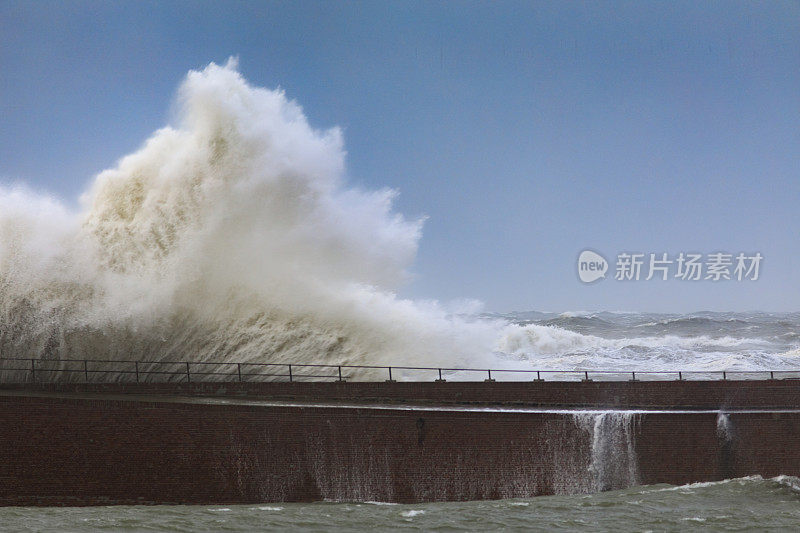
(724, 427)
(570, 453)
(613, 463)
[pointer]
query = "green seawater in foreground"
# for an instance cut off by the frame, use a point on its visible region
(746, 504)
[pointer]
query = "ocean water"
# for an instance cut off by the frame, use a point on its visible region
(745, 504)
(701, 341)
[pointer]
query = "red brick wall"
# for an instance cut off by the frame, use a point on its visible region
(70, 451)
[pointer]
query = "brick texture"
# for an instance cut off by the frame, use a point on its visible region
(89, 450)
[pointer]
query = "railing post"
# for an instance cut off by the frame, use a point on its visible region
(33, 370)
(633, 374)
(586, 375)
(440, 380)
(680, 376)
(86, 370)
(340, 374)
(188, 374)
(724, 376)
(538, 376)
(290, 373)
(771, 374)
(239, 370)
(136, 369)
(490, 380)
(390, 380)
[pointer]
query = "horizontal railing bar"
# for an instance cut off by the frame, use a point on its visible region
(172, 373)
(482, 371)
(377, 367)
(234, 371)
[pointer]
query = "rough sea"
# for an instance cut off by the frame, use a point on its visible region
(622, 341)
(745, 504)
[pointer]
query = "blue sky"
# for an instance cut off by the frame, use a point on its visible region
(525, 131)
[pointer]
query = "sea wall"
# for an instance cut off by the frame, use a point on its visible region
(85, 448)
(717, 394)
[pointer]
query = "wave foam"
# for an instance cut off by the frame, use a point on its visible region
(231, 236)
(552, 347)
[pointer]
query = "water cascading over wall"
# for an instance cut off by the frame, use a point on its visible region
(613, 464)
(569, 453)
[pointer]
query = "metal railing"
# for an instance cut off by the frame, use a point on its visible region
(111, 370)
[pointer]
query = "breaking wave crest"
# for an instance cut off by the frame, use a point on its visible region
(789, 483)
(230, 236)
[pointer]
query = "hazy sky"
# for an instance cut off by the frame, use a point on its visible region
(525, 131)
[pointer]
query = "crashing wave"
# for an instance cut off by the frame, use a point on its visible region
(230, 236)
